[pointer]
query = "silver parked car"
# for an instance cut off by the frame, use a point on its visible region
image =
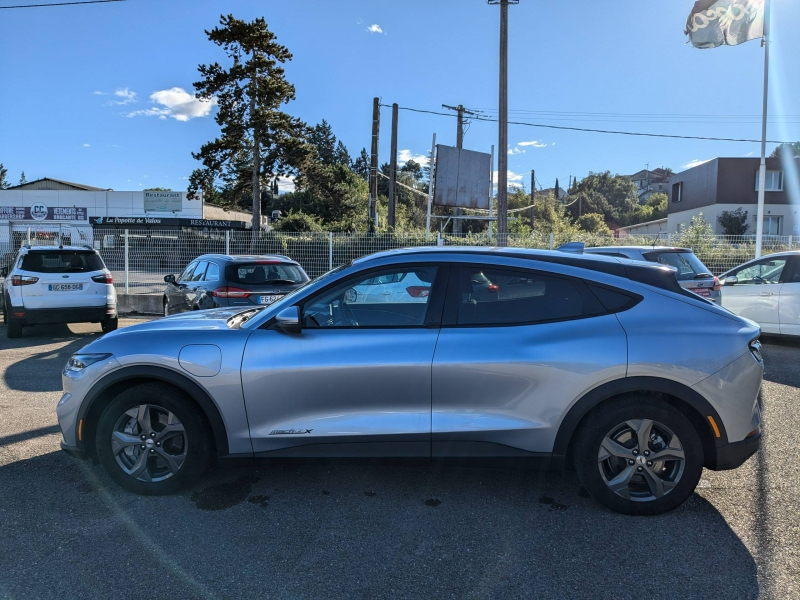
(692, 274)
(565, 361)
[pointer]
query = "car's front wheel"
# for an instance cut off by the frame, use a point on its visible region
(638, 456)
(152, 439)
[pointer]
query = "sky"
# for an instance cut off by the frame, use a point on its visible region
(102, 94)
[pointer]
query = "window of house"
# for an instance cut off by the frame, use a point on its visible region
(772, 224)
(774, 181)
(677, 191)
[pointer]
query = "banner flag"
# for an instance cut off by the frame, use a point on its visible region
(714, 23)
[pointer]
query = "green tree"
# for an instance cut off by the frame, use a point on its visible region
(22, 180)
(299, 222)
(157, 189)
(733, 222)
(593, 223)
(249, 95)
(4, 183)
(793, 150)
(613, 196)
(414, 168)
(341, 156)
(361, 165)
(321, 137)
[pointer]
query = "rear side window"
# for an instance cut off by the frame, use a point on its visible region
(490, 296)
(614, 300)
(212, 274)
(200, 271)
(62, 261)
(687, 264)
(264, 273)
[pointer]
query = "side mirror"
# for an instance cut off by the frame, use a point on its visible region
(730, 280)
(169, 278)
(288, 320)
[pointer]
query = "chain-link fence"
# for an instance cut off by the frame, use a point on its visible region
(139, 258)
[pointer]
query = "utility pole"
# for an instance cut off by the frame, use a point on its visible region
(373, 169)
(461, 111)
(533, 194)
(502, 127)
(393, 169)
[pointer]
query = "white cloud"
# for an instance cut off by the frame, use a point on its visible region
(514, 179)
(695, 163)
(285, 184)
(406, 155)
(516, 150)
(86, 145)
(375, 28)
(534, 143)
(176, 103)
(125, 96)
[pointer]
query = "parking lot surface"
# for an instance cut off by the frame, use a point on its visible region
(310, 531)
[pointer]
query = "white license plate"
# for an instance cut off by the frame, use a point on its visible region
(64, 287)
(268, 299)
(702, 292)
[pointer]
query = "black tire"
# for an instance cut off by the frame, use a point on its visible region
(5, 312)
(634, 407)
(166, 307)
(13, 326)
(109, 325)
(158, 397)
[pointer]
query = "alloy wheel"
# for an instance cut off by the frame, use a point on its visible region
(149, 443)
(641, 460)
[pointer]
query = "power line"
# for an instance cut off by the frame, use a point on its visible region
(565, 128)
(60, 4)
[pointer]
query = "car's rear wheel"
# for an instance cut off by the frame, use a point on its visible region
(638, 456)
(13, 326)
(152, 439)
(166, 307)
(109, 325)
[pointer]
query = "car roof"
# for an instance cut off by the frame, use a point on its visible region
(248, 257)
(57, 249)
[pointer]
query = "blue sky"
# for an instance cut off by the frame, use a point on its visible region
(94, 94)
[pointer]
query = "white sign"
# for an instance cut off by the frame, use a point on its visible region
(162, 201)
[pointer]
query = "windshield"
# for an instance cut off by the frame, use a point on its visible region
(64, 261)
(264, 273)
(688, 265)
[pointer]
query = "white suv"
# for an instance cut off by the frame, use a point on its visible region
(65, 284)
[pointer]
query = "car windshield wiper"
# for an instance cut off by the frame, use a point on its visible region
(280, 282)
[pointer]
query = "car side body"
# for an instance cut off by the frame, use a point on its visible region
(448, 386)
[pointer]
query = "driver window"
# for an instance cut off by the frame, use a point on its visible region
(401, 301)
(765, 271)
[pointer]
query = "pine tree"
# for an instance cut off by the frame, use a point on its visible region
(361, 165)
(322, 138)
(249, 95)
(341, 156)
(22, 180)
(4, 184)
(557, 195)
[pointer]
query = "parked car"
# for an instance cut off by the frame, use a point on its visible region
(58, 284)
(576, 368)
(218, 280)
(691, 272)
(766, 290)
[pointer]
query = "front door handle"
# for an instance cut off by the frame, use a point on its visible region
(766, 293)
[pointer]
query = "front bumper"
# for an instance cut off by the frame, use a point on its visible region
(735, 454)
(87, 314)
(74, 451)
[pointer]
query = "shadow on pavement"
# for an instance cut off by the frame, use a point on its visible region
(780, 360)
(355, 531)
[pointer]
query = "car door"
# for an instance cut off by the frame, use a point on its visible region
(355, 382)
(193, 288)
(508, 365)
(756, 293)
(175, 291)
(789, 311)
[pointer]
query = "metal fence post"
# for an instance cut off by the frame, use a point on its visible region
(790, 242)
(551, 241)
(228, 242)
(126, 261)
(29, 235)
(439, 239)
(330, 250)
(669, 239)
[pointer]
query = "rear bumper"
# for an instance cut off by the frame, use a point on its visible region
(734, 455)
(85, 314)
(73, 451)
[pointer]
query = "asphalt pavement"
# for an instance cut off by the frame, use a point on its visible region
(348, 531)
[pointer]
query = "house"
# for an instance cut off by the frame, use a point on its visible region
(50, 184)
(560, 195)
(651, 182)
(725, 184)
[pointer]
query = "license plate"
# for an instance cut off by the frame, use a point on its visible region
(64, 287)
(702, 292)
(268, 299)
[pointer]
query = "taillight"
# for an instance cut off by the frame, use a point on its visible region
(104, 278)
(18, 280)
(717, 285)
(230, 292)
(418, 291)
(494, 288)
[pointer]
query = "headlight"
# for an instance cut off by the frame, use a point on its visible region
(78, 362)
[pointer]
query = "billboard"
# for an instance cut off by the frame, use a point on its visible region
(461, 178)
(41, 212)
(163, 201)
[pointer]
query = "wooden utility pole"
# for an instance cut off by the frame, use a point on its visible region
(373, 169)
(461, 111)
(393, 169)
(533, 194)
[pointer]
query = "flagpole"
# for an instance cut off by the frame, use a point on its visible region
(762, 171)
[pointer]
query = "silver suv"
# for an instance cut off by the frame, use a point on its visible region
(58, 284)
(558, 359)
(692, 274)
